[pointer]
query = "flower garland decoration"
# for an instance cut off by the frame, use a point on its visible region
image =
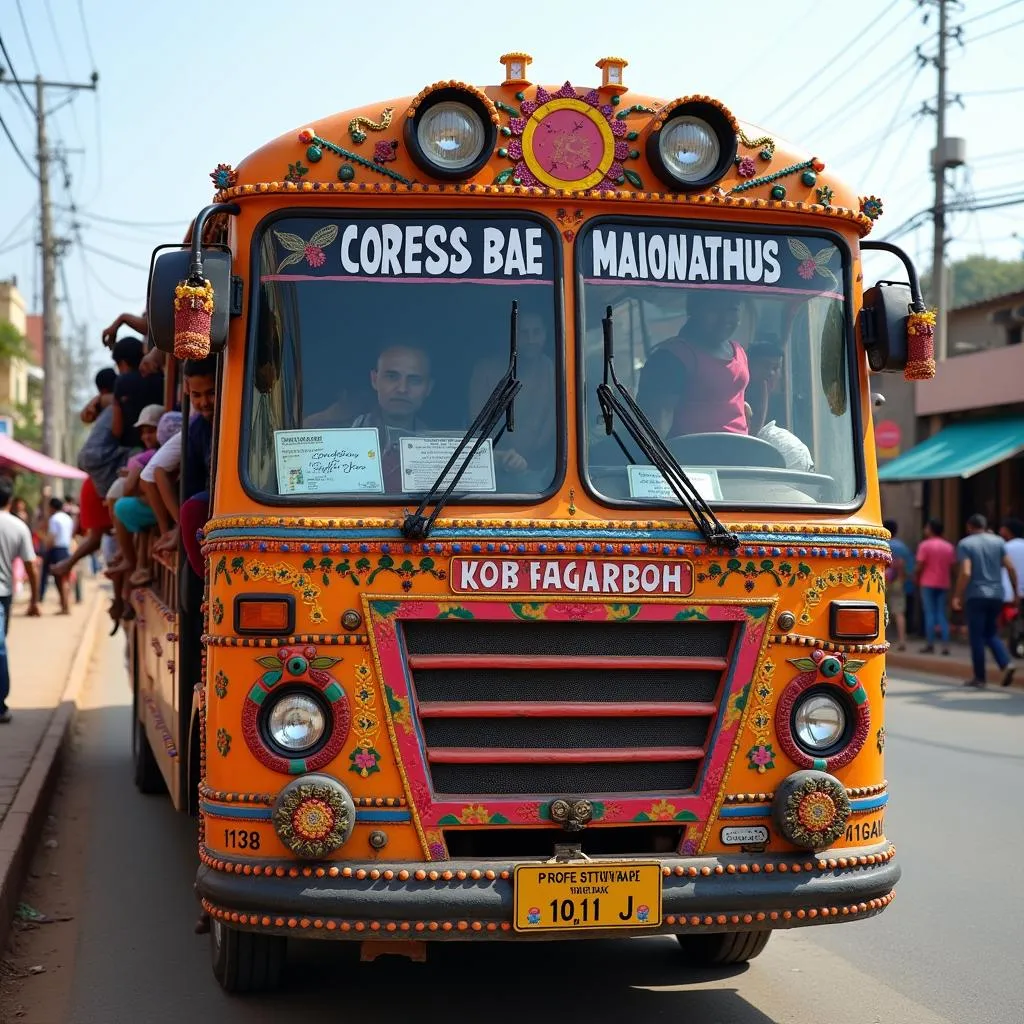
(224, 176)
(920, 346)
(193, 316)
(871, 207)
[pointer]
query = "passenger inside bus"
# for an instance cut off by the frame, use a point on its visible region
(695, 382)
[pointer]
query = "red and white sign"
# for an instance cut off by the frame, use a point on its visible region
(570, 575)
(888, 437)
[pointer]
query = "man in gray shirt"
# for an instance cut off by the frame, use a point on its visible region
(979, 591)
(15, 542)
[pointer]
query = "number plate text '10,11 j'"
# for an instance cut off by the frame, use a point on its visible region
(626, 894)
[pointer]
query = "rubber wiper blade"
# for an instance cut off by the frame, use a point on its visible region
(614, 398)
(500, 402)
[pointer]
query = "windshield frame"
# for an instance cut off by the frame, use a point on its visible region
(398, 214)
(852, 362)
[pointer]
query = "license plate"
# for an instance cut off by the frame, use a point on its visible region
(626, 894)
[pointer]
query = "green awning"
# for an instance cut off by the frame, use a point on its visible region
(959, 450)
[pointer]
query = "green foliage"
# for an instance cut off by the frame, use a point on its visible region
(12, 343)
(978, 277)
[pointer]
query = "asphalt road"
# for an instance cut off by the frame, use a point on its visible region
(948, 950)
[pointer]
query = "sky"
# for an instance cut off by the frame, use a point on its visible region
(181, 91)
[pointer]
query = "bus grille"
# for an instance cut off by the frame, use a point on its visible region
(566, 708)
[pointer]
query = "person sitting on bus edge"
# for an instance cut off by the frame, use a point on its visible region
(201, 383)
(132, 391)
(158, 481)
(531, 444)
(695, 383)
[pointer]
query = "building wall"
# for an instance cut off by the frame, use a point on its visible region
(13, 372)
(978, 380)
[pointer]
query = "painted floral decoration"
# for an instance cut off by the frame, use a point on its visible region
(299, 249)
(224, 176)
(813, 263)
(825, 195)
(880, 738)
(662, 810)
(217, 610)
(761, 757)
(365, 761)
(745, 167)
(220, 684)
(223, 742)
(871, 207)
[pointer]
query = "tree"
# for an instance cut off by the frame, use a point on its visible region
(12, 343)
(978, 277)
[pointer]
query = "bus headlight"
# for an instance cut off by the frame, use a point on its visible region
(819, 721)
(451, 135)
(694, 147)
(296, 723)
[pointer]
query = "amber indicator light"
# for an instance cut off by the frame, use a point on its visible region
(853, 621)
(263, 615)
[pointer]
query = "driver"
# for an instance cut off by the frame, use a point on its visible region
(695, 383)
(403, 383)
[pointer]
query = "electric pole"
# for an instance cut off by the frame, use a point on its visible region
(939, 292)
(51, 341)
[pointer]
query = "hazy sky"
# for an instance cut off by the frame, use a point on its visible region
(184, 87)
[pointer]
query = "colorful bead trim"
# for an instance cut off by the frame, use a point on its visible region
(767, 867)
(637, 108)
(481, 96)
(603, 525)
(668, 198)
(788, 639)
(766, 145)
(462, 925)
(357, 135)
(316, 144)
(659, 120)
(805, 165)
(336, 639)
(766, 798)
(206, 793)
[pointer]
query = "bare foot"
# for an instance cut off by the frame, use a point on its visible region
(140, 577)
(119, 565)
(168, 542)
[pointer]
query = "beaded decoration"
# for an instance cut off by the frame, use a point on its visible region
(193, 315)
(920, 346)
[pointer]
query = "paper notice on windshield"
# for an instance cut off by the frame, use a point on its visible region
(341, 461)
(423, 458)
(647, 482)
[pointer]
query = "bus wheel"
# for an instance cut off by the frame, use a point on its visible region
(246, 961)
(721, 949)
(148, 779)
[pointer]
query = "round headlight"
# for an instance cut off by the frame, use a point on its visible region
(451, 136)
(819, 722)
(689, 149)
(296, 722)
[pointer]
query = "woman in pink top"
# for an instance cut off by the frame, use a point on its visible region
(936, 558)
(695, 383)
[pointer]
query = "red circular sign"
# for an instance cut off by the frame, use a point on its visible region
(887, 434)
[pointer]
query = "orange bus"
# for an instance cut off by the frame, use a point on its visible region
(543, 590)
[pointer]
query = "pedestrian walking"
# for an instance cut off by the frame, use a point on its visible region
(979, 591)
(936, 558)
(59, 532)
(896, 583)
(15, 542)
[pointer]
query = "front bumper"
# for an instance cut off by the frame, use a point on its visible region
(474, 900)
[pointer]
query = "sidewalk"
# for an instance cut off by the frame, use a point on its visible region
(957, 665)
(48, 658)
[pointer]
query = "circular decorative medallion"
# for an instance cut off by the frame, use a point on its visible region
(568, 144)
(811, 809)
(314, 815)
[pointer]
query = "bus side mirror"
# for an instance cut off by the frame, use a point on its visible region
(883, 325)
(167, 270)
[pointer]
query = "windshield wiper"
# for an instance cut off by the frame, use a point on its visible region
(501, 402)
(614, 398)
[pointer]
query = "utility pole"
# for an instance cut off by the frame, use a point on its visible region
(939, 291)
(51, 341)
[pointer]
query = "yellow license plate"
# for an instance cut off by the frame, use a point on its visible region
(626, 894)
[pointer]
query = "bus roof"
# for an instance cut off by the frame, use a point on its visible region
(563, 142)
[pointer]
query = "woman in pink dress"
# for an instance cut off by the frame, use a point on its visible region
(936, 557)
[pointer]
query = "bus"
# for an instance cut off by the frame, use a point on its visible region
(543, 569)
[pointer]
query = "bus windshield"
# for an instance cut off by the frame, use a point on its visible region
(734, 345)
(367, 366)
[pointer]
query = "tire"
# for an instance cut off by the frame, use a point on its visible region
(246, 961)
(148, 779)
(721, 949)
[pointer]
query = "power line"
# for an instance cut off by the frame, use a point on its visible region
(28, 36)
(56, 38)
(994, 92)
(181, 223)
(14, 74)
(995, 31)
(16, 245)
(825, 67)
(10, 234)
(85, 33)
(100, 283)
(115, 258)
(886, 135)
(18, 152)
(988, 14)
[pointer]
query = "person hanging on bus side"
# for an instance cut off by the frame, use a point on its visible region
(201, 384)
(531, 445)
(695, 383)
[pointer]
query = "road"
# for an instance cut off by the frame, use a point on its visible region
(948, 950)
